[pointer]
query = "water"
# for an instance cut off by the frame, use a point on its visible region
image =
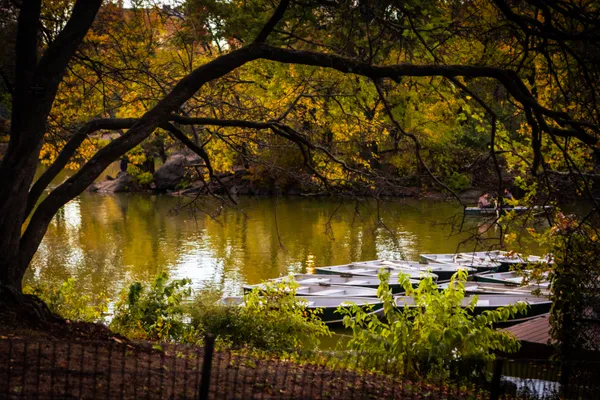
(107, 241)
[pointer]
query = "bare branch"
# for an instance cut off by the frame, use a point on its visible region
(272, 22)
(177, 134)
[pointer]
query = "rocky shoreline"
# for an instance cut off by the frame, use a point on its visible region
(172, 178)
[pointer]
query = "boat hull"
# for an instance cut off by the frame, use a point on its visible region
(330, 316)
(369, 282)
(537, 305)
(478, 266)
(495, 278)
(326, 289)
(444, 271)
(477, 211)
(501, 289)
(366, 271)
(327, 312)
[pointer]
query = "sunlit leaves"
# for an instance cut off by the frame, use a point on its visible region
(434, 331)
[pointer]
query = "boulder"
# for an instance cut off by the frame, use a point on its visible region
(168, 176)
(122, 183)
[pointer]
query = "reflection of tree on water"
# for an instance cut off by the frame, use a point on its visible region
(125, 237)
(122, 203)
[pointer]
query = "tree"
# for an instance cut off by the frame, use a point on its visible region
(503, 64)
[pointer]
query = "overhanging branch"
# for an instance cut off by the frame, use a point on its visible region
(66, 154)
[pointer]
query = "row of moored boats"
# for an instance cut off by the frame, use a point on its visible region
(491, 279)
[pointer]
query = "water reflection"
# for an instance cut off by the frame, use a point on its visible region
(106, 241)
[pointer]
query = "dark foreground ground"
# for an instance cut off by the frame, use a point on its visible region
(61, 360)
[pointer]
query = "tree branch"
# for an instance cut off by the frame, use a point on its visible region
(55, 59)
(67, 152)
(177, 134)
(509, 79)
(158, 115)
(272, 22)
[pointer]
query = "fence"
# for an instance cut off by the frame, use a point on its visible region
(39, 369)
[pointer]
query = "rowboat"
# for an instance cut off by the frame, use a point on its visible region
(326, 289)
(346, 280)
(444, 271)
(477, 211)
(473, 288)
(372, 271)
(510, 260)
(478, 260)
(486, 261)
(507, 278)
(328, 305)
(537, 305)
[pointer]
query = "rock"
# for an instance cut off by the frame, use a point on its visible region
(170, 173)
(168, 176)
(123, 183)
(195, 188)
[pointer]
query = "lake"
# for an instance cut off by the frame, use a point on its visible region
(108, 241)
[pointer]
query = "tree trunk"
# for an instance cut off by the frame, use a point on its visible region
(36, 84)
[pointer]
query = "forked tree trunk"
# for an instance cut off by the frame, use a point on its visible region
(12, 213)
(35, 87)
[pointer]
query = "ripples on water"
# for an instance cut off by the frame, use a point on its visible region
(107, 241)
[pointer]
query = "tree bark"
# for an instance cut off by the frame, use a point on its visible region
(36, 85)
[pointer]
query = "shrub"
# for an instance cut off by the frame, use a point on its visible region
(458, 181)
(69, 302)
(141, 177)
(436, 336)
(271, 318)
(154, 313)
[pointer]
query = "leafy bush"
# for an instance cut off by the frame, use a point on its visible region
(574, 274)
(70, 302)
(434, 336)
(154, 313)
(140, 176)
(458, 181)
(271, 318)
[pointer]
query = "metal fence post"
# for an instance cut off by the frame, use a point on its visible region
(495, 389)
(209, 348)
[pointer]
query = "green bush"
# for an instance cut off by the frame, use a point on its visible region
(143, 178)
(433, 337)
(271, 319)
(69, 302)
(458, 181)
(154, 313)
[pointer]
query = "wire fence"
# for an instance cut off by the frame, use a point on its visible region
(41, 369)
